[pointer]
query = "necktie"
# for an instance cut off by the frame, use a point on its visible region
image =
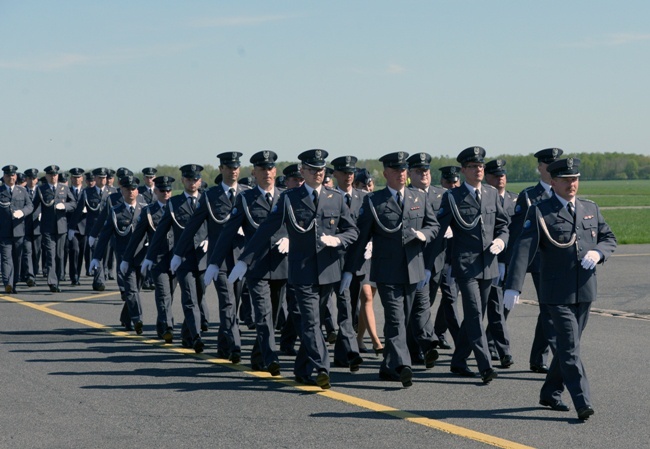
(268, 198)
(53, 189)
(398, 196)
(131, 209)
(503, 200)
(478, 196)
(569, 207)
(348, 199)
(192, 202)
(315, 197)
(231, 195)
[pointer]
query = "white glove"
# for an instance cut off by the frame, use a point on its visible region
(124, 267)
(204, 246)
(367, 254)
(146, 266)
(448, 233)
(425, 282)
(238, 272)
(70, 234)
(39, 217)
(330, 240)
(502, 271)
(175, 263)
(240, 231)
(18, 214)
(497, 246)
(346, 280)
(590, 260)
(91, 241)
(211, 274)
(94, 264)
(59, 206)
(283, 245)
(84, 211)
(510, 298)
(419, 235)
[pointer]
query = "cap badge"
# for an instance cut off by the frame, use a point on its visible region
(266, 155)
(400, 156)
(477, 151)
(554, 152)
(569, 162)
(347, 160)
(318, 154)
(423, 157)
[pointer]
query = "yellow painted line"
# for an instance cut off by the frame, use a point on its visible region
(99, 295)
(631, 255)
(334, 395)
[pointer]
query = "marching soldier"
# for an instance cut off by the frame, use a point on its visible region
(164, 281)
(189, 271)
(15, 205)
(146, 189)
(480, 228)
(544, 338)
(400, 221)
(31, 259)
(571, 238)
(76, 241)
(119, 225)
(267, 276)
(55, 200)
(319, 228)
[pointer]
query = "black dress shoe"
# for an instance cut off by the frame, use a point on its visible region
(111, 277)
(54, 289)
(185, 343)
(99, 287)
(288, 351)
(406, 376)
(305, 380)
(235, 357)
(585, 412)
(442, 343)
(383, 375)
(488, 375)
(339, 364)
(31, 282)
(198, 345)
(331, 337)
(138, 327)
(558, 406)
(507, 361)
(494, 356)
(430, 358)
(354, 363)
(251, 326)
(542, 369)
(463, 372)
(274, 368)
(323, 380)
(127, 327)
(8, 288)
(168, 335)
(221, 354)
(204, 327)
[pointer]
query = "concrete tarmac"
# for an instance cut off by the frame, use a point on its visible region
(72, 378)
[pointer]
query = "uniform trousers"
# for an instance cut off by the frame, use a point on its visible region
(165, 284)
(54, 249)
(312, 354)
(265, 297)
(471, 335)
(397, 300)
(31, 260)
(497, 330)
(544, 338)
(448, 319)
(229, 336)
(346, 347)
(76, 249)
(11, 250)
(190, 283)
(569, 320)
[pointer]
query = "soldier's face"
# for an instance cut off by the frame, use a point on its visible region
(100, 181)
(148, 181)
(543, 173)
(9, 180)
(191, 185)
(567, 188)
(474, 172)
(129, 194)
(90, 183)
(420, 177)
(264, 176)
(496, 181)
(76, 181)
(313, 176)
(52, 179)
(447, 184)
(31, 182)
(162, 195)
(293, 182)
(230, 174)
(395, 177)
(343, 179)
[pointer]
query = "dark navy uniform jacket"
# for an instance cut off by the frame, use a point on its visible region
(87, 211)
(143, 233)
(434, 196)
(529, 196)
(120, 224)
(109, 199)
(470, 254)
(356, 201)
(18, 200)
(310, 261)
(509, 206)
(33, 220)
(146, 194)
(213, 207)
(563, 280)
(54, 221)
(268, 264)
(176, 217)
(398, 256)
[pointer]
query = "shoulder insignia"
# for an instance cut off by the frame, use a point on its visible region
(330, 195)
(275, 209)
(588, 217)
(234, 211)
(518, 208)
(527, 224)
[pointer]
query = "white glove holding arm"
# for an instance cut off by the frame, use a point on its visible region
(71, 234)
(283, 245)
(591, 259)
(448, 233)
(204, 246)
(146, 266)
(510, 298)
(425, 282)
(211, 274)
(497, 246)
(238, 272)
(346, 280)
(175, 263)
(18, 214)
(419, 235)
(124, 267)
(330, 240)
(94, 264)
(91, 241)
(367, 254)
(59, 206)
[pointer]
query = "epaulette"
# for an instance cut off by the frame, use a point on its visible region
(489, 186)
(330, 189)
(587, 201)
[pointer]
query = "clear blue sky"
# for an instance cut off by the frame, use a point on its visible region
(137, 83)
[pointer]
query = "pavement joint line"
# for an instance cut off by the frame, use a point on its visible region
(334, 395)
(631, 255)
(99, 295)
